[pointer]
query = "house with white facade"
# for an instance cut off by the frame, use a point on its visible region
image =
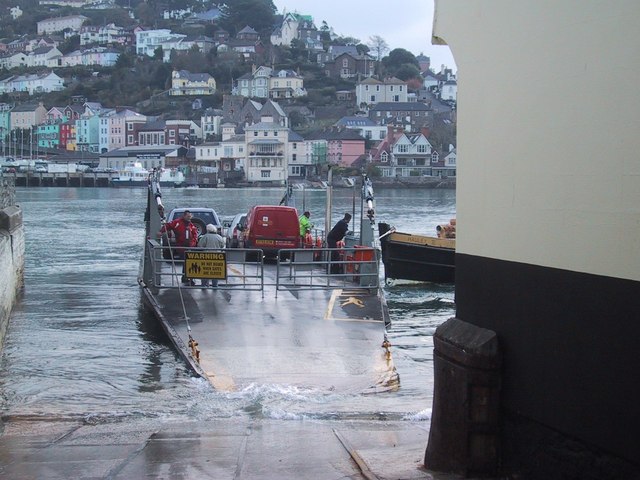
(449, 91)
(33, 83)
(300, 161)
(371, 91)
(403, 154)
(222, 158)
(147, 41)
(286, 84)
(59, 24)
(291, 28)
(184, 82)
(211, 123)
(102, 56)
(267, 152)
(45, 57)
(109, 34)
(13, 60)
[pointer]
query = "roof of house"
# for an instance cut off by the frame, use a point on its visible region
(355, 121)
(247, 29)
(194, 77)
(400, 106)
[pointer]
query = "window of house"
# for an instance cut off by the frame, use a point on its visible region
(172, 133)
(422, 149)
(265, 133)
(265, 173)
(345, 62)
(255, 134)
(373, 99)
(403, 148)
(295, 170)
(294, 157)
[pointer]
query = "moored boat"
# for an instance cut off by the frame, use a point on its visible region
(417, 257)
(135, 175)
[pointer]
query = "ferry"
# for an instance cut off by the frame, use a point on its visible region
(287, 321)
(135, 175)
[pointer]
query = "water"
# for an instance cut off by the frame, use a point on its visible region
(80, 344)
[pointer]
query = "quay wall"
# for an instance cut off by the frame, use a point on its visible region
(12, 253)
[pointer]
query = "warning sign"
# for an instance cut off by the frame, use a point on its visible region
(206, 265)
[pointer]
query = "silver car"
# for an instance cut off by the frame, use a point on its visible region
(233, 234)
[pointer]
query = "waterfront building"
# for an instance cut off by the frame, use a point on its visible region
(116, 125)
(365, 127)
(27, 115)
(403, 154)
(149, 156)
(267, 147)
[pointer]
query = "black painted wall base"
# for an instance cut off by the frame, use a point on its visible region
(534, 452)
(570, 344)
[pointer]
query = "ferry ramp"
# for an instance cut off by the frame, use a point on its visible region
(290, 321)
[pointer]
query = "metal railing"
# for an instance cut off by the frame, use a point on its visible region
(244, 268)
(295, 269)
(328, 268)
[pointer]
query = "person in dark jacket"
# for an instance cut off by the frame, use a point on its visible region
(336, 234)
(186, 236)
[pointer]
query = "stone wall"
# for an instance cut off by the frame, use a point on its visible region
(12, 246)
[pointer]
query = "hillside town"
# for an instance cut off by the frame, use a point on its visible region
(241, 104)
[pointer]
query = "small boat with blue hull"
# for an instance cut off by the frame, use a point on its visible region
(420, 258)
(287, 322)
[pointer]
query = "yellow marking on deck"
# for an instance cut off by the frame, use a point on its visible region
(353, 301)
(350, 300)
(335, 294)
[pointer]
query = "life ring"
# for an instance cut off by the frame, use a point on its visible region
(317, 246)
(307, 241)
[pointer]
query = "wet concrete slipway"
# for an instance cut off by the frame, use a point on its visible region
(92, 388)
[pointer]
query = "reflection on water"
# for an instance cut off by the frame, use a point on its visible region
(80, 344)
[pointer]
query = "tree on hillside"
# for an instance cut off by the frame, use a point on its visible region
(258, 14)
(400, 62)
(378, 46)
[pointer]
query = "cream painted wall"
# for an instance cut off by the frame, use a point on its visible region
(548, 131)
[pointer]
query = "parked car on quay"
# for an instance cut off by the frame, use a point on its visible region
(233, 234)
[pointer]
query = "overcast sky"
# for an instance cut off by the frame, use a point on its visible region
(406, 24)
